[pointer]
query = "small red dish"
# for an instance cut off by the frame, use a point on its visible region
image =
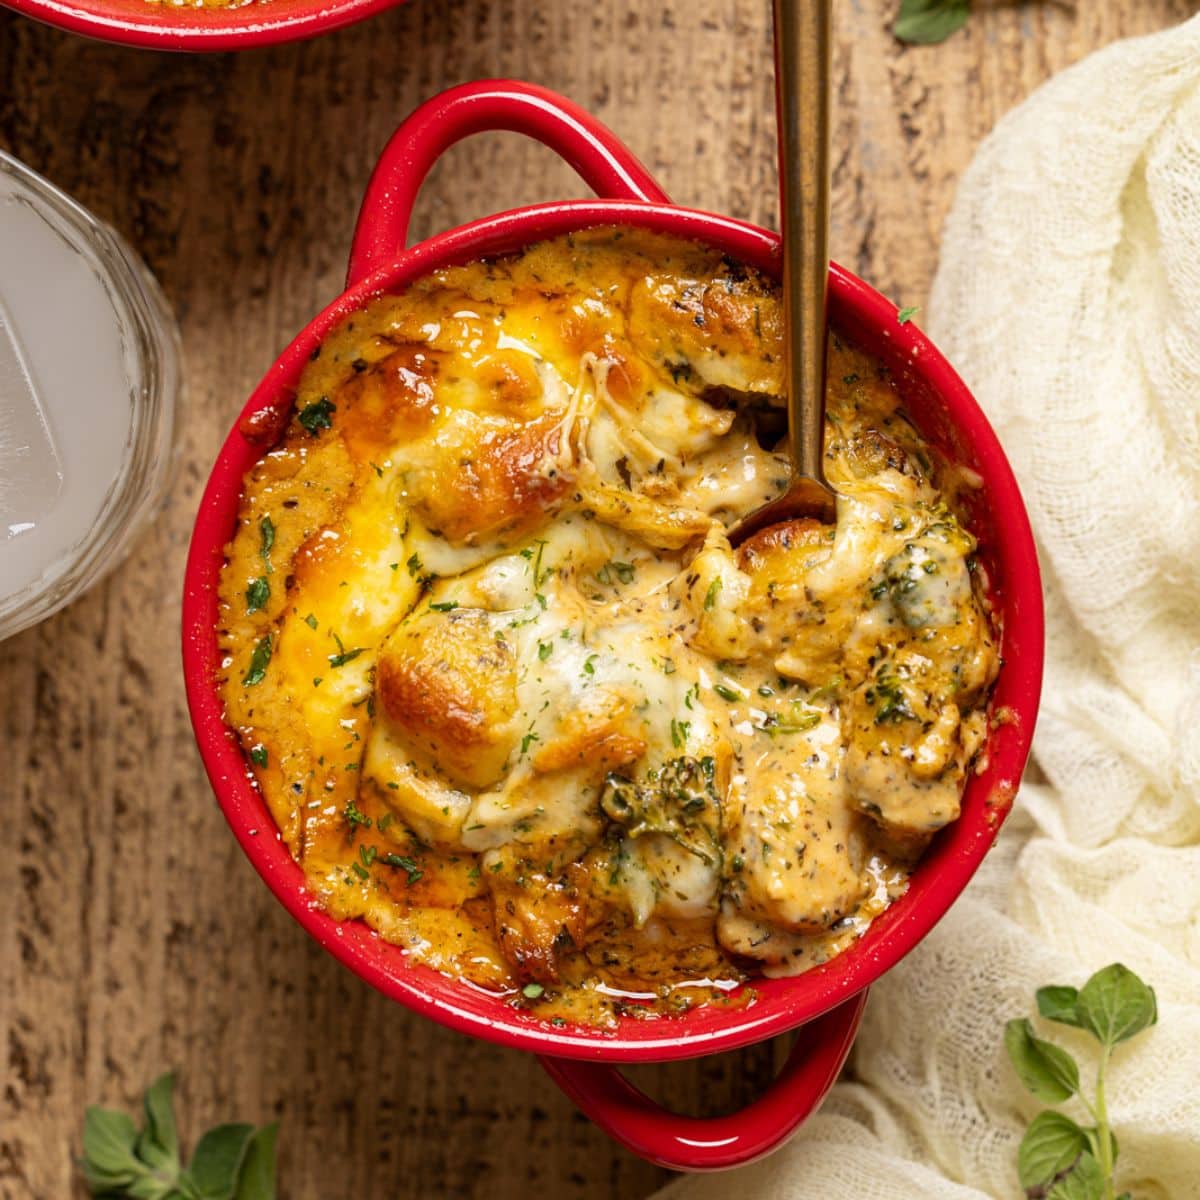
(164, 26)
(827, 1001)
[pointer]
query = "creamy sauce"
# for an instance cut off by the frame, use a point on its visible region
(514, 699)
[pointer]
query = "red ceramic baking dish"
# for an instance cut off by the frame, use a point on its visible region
(825, 1004)
(164, 26)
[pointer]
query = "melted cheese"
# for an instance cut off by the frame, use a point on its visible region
(509, 691)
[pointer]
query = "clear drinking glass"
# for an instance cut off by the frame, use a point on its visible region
(90, 386)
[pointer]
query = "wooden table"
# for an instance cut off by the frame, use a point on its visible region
(133, 935)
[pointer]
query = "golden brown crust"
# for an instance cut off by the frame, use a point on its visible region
(391, 401)
(448, 685)
(505, 480)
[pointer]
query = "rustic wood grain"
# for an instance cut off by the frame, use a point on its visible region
(133, 935)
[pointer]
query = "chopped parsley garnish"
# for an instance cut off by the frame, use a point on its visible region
(545, 649)
(367, 854)
(266, 529)
(258, 662)
(257, 594)
(531, 991)
(907, 313)
(800, 723)
(589, 666)
(444, 606)
(405, 864)
(891, 704)
(679, 733)
(625, 571)
(538, 577)
(710, 597)
(315, 416)
(343, 656)
(355, 816)
(541, 601)
(413, 564)
(310, 621)
(385, 820)
(726, 692)
(258, 754)
(528, 741)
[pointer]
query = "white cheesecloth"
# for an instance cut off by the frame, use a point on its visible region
(1068, 297)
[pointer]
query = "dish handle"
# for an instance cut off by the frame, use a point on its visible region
(716, 1143)
(597, 155)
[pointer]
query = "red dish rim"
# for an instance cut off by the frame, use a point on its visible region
(164, 27)
(781, 1004)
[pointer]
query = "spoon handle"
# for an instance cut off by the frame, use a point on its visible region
(802, 57)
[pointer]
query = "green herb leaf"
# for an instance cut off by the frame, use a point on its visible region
(710, 597)
(413, 563)
(1049, 1072)
(257, 1180)
(545, 649)
(1059, 1003)
(158, 1144)
(1115, 1005)
(726, 692)
(444, 606)
(231, 1162)
(405, 864)
(310, 621)
(257, 594)
(1051, 1144)
(531, 991)
(217, 1162)
(625, 571)
(258, 754)
(109, 1139)
(258, 662)
(315, 416)
(266, 530)
(344, 656)
(928, 21)
(355, 816)
(907, 313)
(1085, 1182)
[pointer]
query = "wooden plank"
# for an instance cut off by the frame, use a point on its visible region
(134, 936)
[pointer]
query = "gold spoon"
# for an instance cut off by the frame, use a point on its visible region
(802, 54)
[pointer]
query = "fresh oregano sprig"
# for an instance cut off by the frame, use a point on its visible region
(230, 1162)
(1060, 1159)
(928, 21)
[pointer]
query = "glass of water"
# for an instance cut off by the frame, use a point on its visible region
(90, 380)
